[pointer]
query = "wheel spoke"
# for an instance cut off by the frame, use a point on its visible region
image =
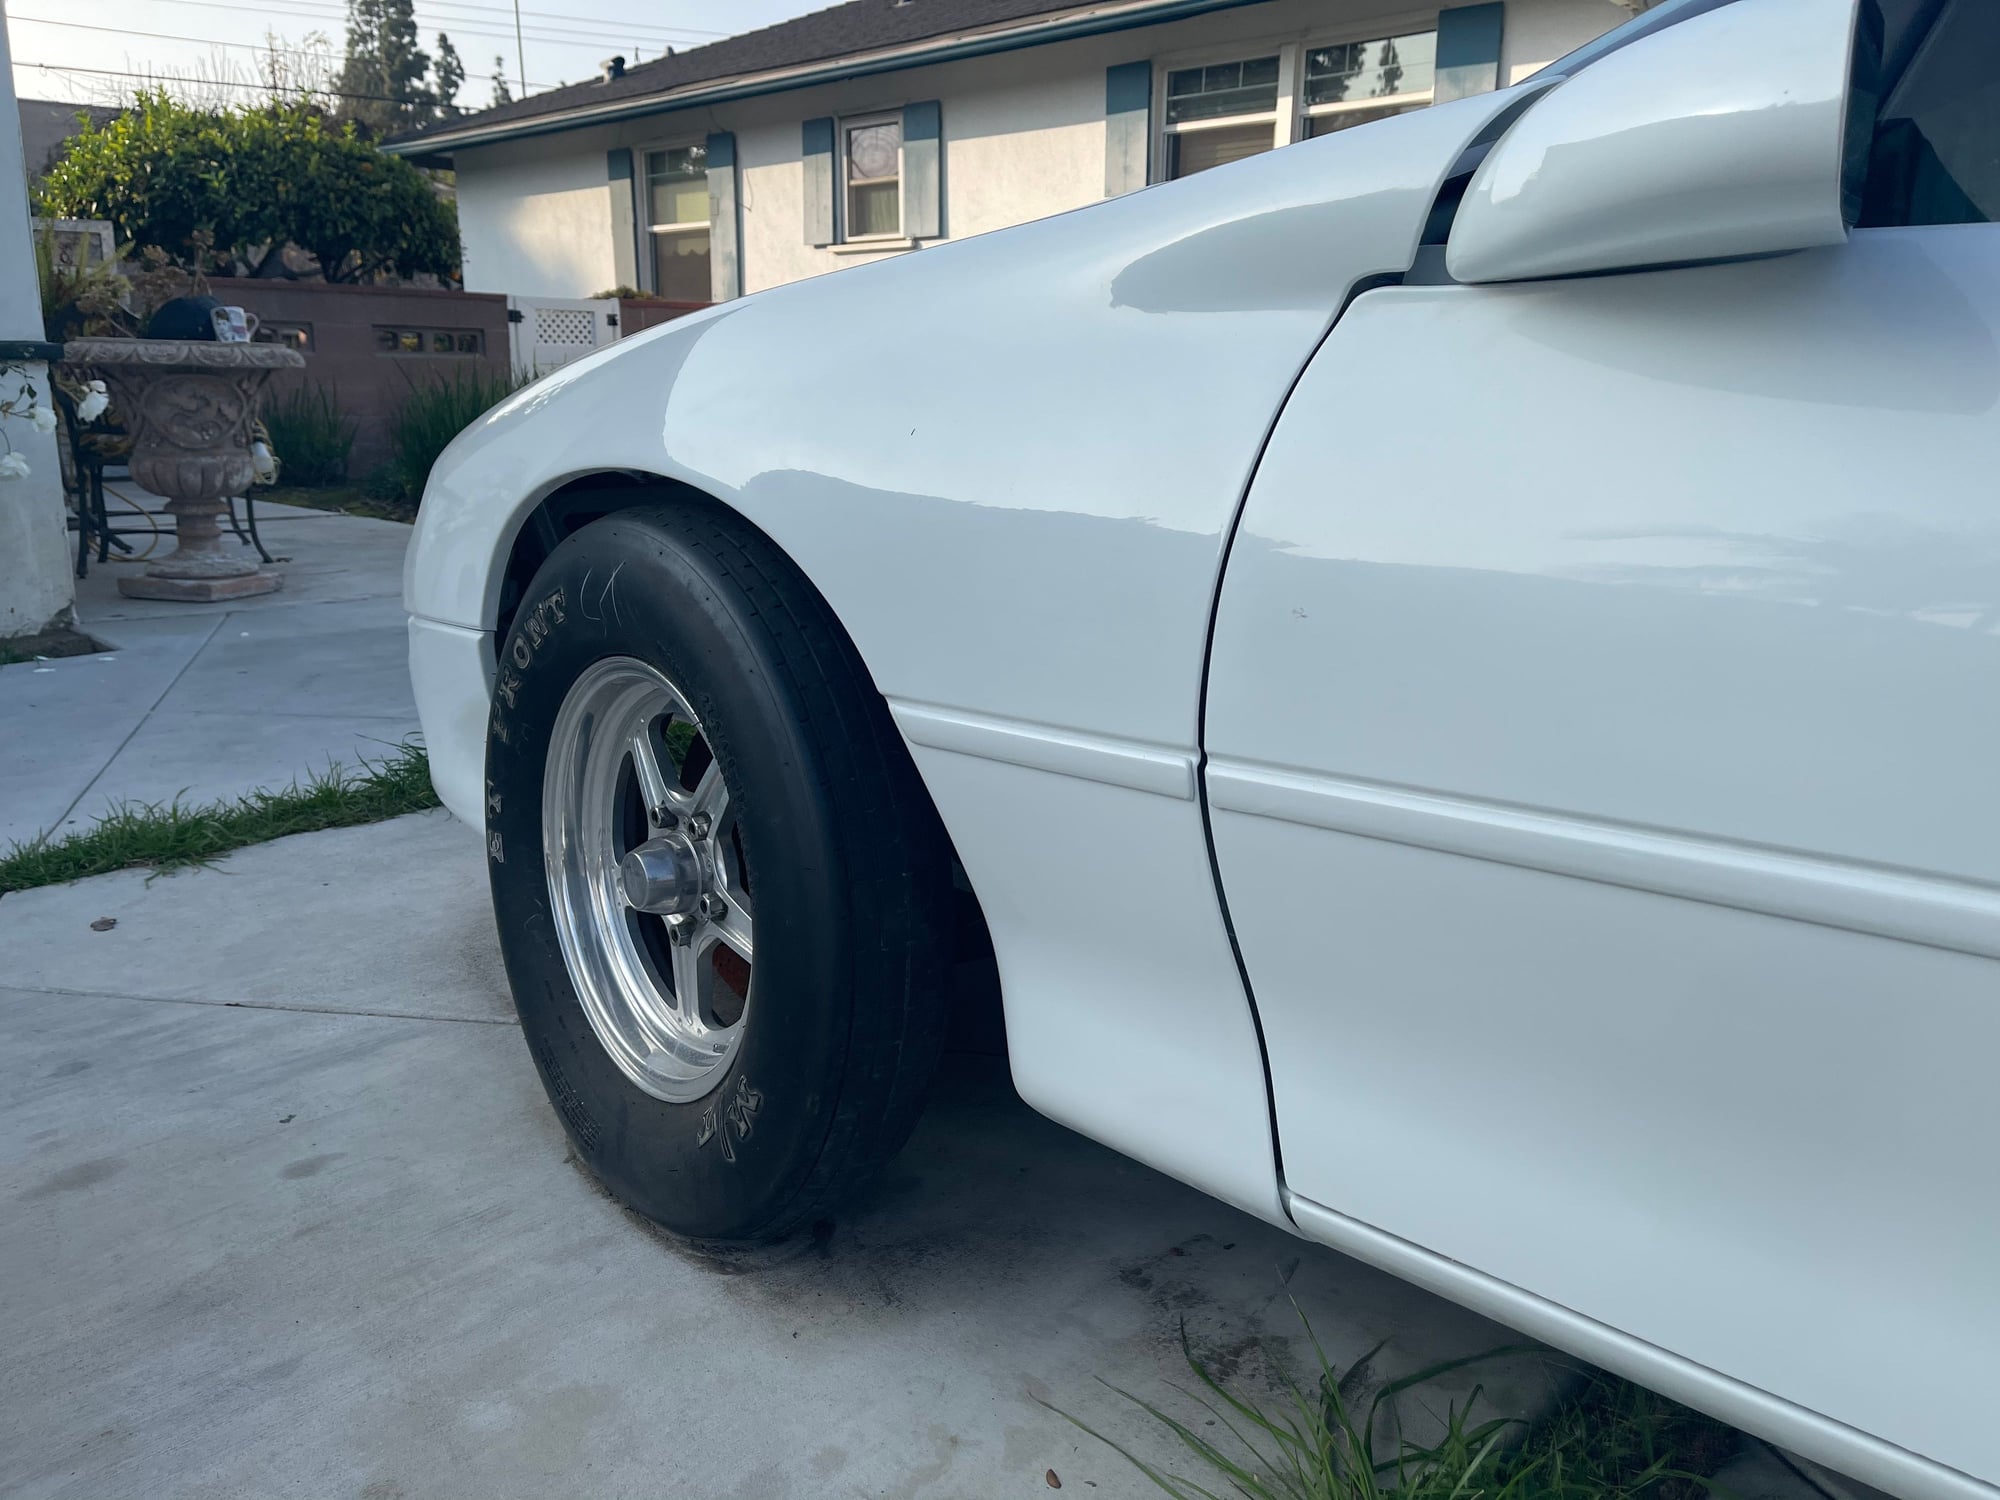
(733, 926)
(687, 981)
(709, 796)
(653, 783)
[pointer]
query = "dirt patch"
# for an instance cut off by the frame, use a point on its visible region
(49, 645)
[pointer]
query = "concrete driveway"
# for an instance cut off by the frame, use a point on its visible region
(286, 1214)
(213, 700)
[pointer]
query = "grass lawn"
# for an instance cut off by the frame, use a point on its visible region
(166, 836)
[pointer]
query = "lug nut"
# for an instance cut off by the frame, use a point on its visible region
(666, 818)
(714, 908)
(677, 934)
(698, 826)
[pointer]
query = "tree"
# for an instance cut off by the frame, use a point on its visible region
(383, 78)
(232, 187)
(307, 73)
(501, 93)
(447, 77)
(161, 172)
(365, 213)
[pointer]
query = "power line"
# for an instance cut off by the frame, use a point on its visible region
(168, 36)
(613, 23)
(221, 83)
(270, 10)
(611, 28)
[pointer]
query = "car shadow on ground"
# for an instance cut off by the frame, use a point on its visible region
(996, 1215)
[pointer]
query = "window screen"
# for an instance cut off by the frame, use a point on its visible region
(874, 179)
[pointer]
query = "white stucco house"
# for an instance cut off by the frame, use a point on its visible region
(877, 127)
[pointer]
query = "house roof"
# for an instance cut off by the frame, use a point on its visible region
(842, 41)
(48, 124)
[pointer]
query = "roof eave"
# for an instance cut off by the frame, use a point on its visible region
(1096, 21)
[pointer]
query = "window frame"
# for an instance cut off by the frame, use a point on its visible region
(843, 210)
(648, 277)
(1285, 49)
(1289, 117)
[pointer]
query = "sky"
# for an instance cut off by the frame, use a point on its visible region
(123, 43)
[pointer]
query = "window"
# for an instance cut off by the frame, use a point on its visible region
(297, 336)
(871, 157)
(453, 341)
(1355, 82)
(1221, 90)
(1219, 113)
(1936, 153)
(677, 222)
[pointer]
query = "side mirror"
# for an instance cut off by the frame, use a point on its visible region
(1724, 135)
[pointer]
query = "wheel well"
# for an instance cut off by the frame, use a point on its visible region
(567, 511)
(978, 1024)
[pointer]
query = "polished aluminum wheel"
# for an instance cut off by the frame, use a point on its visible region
(647, 882)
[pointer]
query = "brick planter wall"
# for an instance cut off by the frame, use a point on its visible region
(347, 332)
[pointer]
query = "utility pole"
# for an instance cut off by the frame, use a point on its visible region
(520, 52)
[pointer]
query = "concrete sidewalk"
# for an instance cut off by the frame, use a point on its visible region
(214, 700)
(288, 1214)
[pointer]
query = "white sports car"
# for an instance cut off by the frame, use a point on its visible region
(1456, 666)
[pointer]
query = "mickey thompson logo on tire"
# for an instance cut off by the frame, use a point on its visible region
(736, 1116)
(529, 633)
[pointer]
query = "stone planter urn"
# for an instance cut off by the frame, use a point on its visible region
(189, 407)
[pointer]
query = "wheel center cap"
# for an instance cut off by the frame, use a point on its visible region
(662, 876)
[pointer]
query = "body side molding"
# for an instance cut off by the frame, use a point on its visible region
(1160, 769)
(1962, 916)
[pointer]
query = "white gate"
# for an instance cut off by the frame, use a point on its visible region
(544, 332)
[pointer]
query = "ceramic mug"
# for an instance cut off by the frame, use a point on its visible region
(233, 325)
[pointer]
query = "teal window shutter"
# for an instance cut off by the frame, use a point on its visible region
(816, 146)
(725, 223)
(923, 170)
(1128, 126)
(1468, 51)
(624, 226)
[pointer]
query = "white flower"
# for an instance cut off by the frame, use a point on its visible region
(262, 463)
(95, 399)
(44, 418)
(13, 466)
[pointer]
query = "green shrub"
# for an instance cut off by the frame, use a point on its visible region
(310, 436)
(215, 187)
(433, 415)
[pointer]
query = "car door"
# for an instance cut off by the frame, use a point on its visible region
(1603, 753)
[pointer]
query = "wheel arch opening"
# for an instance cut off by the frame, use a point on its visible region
(977, 1021)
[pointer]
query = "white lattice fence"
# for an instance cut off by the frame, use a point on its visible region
(550, 331)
